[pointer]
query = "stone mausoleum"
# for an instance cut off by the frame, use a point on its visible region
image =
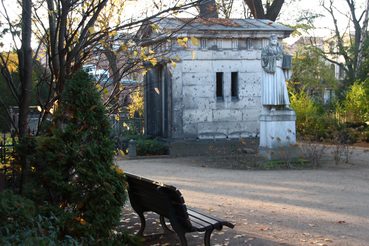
(213, 91)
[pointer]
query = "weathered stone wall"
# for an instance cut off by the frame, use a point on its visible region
(196, 110)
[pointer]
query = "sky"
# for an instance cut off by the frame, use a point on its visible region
(324, 24)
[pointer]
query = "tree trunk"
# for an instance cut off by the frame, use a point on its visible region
(113, 64)
(208, 9)
(274, 10)
(364, 36)
(25, 73)
(25, 68)
(256, 8)
(271, 12)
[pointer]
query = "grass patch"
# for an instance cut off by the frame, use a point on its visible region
(283, 164)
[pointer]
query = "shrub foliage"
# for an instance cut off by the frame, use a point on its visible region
(74, 163)
(355, 106)
(21, 224)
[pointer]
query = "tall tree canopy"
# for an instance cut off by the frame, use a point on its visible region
(69, 33)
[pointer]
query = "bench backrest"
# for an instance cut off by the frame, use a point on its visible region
(148, 195)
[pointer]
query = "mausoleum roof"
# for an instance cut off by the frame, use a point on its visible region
(212, 27)
(218, 24)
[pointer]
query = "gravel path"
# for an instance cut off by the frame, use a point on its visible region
(327, 206)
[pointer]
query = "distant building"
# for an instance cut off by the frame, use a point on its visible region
(214, 89)
(33, 118)
(99, 68)
(326, 44)
(100, 75)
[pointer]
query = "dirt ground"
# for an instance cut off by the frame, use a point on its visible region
(325, 206)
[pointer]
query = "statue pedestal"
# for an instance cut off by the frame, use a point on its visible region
(278, 134)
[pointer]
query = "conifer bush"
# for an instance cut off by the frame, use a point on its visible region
(74, 163)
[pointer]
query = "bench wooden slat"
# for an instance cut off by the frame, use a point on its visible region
(200, 225)
(203, 217)
(211, 218)
(196, 225)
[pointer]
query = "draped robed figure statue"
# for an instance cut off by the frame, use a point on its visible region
(274, 90)
(277, 119)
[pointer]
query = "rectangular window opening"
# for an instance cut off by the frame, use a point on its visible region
(203, 43)
(244, 44)
(234, 85)
(219, 84)
(341, 72)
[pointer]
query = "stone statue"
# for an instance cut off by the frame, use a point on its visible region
(274, 89)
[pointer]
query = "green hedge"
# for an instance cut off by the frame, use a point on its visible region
(151, 147)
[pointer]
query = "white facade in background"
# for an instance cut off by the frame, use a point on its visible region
(100, 75)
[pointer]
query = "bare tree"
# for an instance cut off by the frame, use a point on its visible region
(25, 61)
(24, 53)
(25, 67)
(349, 46)
(69, 33)
(364, 36)
(225, 7)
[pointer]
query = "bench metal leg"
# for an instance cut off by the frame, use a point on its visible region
(207, 237)
(143, 224)
(182, 239)
(165, 227)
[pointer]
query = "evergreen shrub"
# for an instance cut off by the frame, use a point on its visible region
(74, 163)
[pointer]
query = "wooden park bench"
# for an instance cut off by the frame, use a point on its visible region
(167, 201)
